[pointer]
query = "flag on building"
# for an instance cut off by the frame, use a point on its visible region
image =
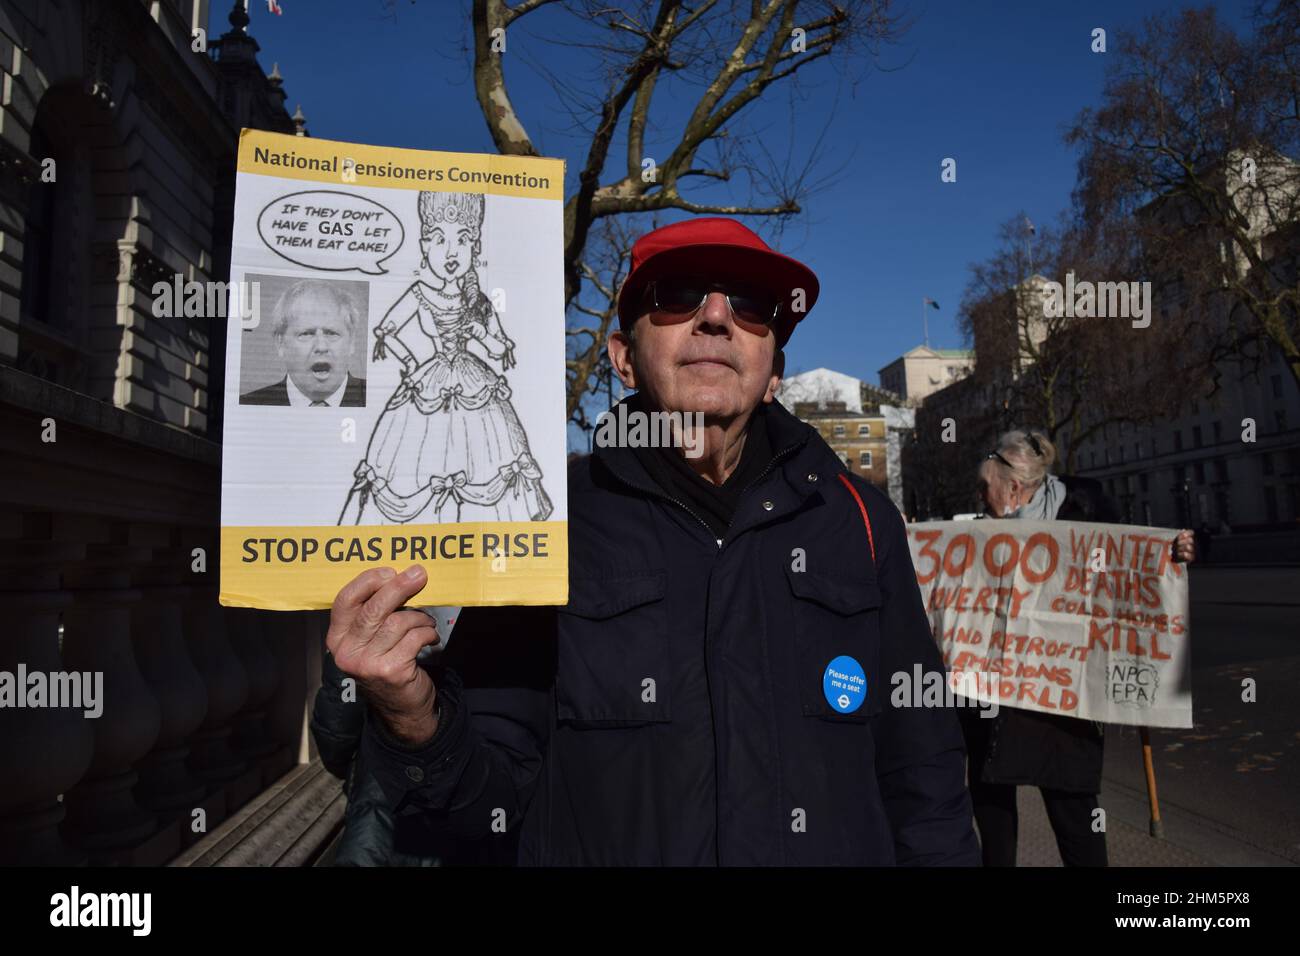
(273, 6)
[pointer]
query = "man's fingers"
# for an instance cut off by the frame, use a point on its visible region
(391, 632)
(356, 592)
(394, 593)
(410, 643)
(349, 601)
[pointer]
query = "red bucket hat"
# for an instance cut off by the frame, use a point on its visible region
(711, 245)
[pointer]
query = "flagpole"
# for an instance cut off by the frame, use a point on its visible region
(1030, 232)
(925, 323)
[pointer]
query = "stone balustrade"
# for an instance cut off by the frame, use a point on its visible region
(108, 567)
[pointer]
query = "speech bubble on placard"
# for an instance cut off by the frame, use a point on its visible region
(331, 231)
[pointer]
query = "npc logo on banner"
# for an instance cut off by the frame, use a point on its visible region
(1131, 682)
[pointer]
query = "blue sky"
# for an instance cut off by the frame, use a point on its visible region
(992, 85)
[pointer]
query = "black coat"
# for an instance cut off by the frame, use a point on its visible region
(673, 712)
(1046, 750)
(369, 828)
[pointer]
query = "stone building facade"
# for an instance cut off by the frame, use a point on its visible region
(117, 156)
(861, 440)
(923, 370)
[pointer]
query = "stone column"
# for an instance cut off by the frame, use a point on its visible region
(289, 639)
(43, 750)
(244, 627)
(214, 759)
(103, 816)
(166, 784)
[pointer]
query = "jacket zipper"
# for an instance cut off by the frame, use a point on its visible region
(708, 679)
(659, 494)
(681, 504)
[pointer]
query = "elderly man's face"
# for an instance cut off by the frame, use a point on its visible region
(316, 346)
(701, 363)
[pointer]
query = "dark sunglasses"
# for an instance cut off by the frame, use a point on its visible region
(994, 454)
(685, 296)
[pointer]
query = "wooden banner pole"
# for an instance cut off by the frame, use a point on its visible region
(1157, 825)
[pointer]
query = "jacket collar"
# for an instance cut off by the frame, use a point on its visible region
(797, 449)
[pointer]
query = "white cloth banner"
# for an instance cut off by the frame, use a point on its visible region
(1071, 618)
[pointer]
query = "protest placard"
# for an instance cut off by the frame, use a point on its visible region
(394, 387)
(1071, 618)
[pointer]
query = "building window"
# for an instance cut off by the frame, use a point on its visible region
(1142, 481)
(1218, 431)
(1178, 440)
(844, 457)
(1137, 450)
(1266, 463)
(839, 431)
(1277, 385)
(864, 431)
(1279, 418)
(39, 252)
(1221, 469)
(1200, 472)
(864, 459)
(1196, 436)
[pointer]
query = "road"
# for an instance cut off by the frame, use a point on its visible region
(1229, 787)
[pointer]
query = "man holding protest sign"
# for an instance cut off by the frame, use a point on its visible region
(714, 692)
(1059, 754)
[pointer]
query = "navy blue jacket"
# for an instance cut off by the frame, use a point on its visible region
(673, 712)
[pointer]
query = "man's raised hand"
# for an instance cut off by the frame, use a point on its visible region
(374, 639)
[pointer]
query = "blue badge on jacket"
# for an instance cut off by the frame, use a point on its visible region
(844, 684)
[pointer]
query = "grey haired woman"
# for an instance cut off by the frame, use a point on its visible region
(1062, 756)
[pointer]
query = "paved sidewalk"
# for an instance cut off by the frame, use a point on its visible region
(1126, 845)
(1187, 841)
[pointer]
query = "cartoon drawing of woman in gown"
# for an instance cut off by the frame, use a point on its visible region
(449, 436)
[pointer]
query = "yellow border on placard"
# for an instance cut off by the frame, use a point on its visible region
(324, 161)
(468, 581)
